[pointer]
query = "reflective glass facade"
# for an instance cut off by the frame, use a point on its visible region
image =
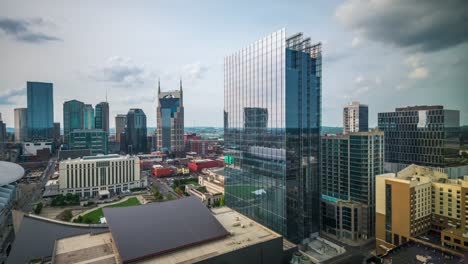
(350, 164)
(101, 120)
(73, 117)
(93, 139)
(170, 118)
(272, 99)
(40, 110)
(136, 132)
(88, 117)
(423, 135)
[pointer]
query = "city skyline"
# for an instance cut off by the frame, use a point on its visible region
(116, 52)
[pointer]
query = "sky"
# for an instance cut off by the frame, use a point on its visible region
(384, 53)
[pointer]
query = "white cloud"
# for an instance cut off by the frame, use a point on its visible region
(356, 42)
(419, 73)
(121, 71)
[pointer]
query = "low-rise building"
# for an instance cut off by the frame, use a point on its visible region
(199, 165)
(35, 148)
(88, 175)
(213, 180)
(207, 198)
(417, 200)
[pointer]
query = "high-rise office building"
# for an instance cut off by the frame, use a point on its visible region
(92, 139)
(418, 200)
(57, 138)
(423, 135)
(88, 116)
(135, 132)
(272, 103)
(73, 117)
(120, 123)
(101, 120)
(40, 110)
(355, 118)
(350, 163)
(3, 133)
(21, 124)
(170, 119)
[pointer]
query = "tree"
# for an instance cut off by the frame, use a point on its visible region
(67, 215)
(221, 201)
(88, 220)
(38, 208)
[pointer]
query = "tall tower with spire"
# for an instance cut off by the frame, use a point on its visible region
(170, 120)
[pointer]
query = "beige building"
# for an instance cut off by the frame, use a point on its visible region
(89, 175)
(416, 200)
(213, 180)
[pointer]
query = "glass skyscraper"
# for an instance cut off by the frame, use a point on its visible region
(101, 120)
(272, 100)
(73, 117)
(88, 116)
(423, 135)
(170, 118)
(136, 132)
(40, 110)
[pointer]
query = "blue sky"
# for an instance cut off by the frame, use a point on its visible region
(383, 53)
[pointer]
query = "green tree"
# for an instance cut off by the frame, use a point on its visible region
(38, 208)
(221, 201)
(67, 215)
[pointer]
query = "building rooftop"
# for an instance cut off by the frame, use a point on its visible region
(100, 157)
(419, 107)
(413, 252)
(10, 172)
(35, 236)
(174, 221)
(244, 232)
(347, 135)
(99, 249)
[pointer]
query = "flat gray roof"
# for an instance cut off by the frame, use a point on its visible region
(150, 230)
(10, 172)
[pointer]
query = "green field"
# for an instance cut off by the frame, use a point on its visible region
(95, 215)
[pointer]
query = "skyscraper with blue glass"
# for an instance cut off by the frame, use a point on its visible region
(73, 117)
(170, 119)
(272, 104)
(40, 110)
(136, 132)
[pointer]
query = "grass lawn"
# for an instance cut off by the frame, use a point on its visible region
(97, 214)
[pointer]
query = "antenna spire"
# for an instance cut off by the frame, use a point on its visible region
(159, 86)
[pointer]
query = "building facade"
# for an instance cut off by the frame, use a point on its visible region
(21, 124)
(40, 110)
(423, 135)
(88, 118)
(349, 165)
(3, 133)
(101, 119)
(120, 124)
(355, 118)
(136, 132)
(420, 199)
(73, 117)
(170, 119)
(93, 139)
(57, 137)
(272, 111)
(88, 175)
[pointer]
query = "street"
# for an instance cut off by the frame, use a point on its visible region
(37, 191)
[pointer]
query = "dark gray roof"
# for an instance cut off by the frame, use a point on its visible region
(36, 238)
(157, 228)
